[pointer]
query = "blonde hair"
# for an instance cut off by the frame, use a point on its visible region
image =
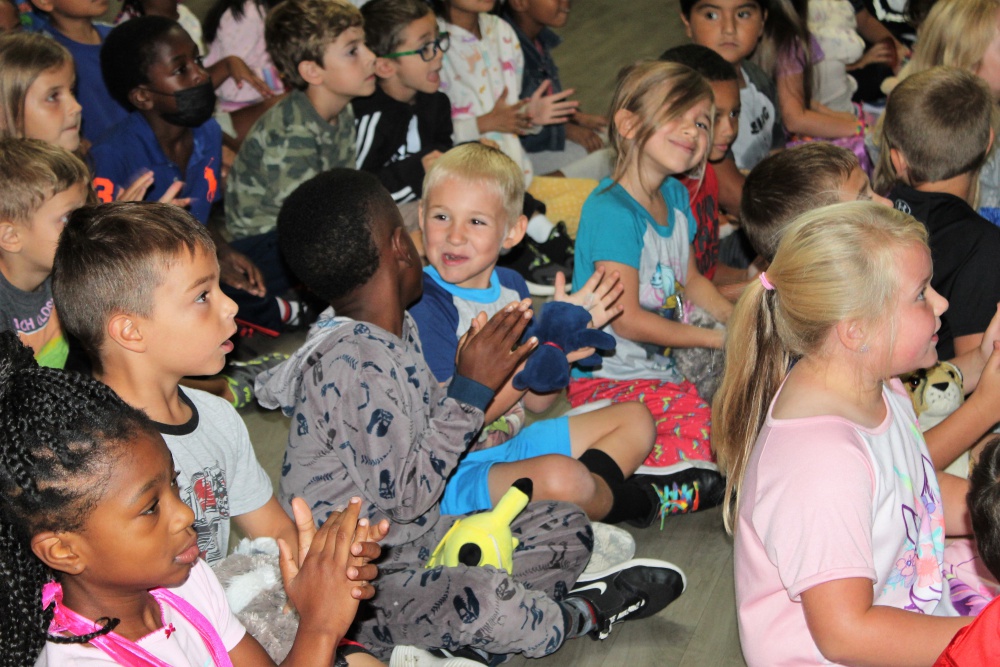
(940, 120)
(655, 92)
(485, 165)
(833, 263)
(33, 171)
(23, 57)
(300, 30)
(955, 33)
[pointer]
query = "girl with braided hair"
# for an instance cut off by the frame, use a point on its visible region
(98, 560)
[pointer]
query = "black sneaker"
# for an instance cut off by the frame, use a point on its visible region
(464, 656)
(559, 246)
(679, 489)
(632, 590)
(535, 267)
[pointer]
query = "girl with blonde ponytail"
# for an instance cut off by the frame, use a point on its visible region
(838, 516)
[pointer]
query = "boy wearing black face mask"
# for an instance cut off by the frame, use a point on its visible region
(151, 66)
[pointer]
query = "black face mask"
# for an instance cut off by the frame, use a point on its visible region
(195, 105)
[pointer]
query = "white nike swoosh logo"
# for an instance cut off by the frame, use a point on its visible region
(599, 586)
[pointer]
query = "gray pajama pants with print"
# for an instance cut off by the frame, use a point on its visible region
(448, 607)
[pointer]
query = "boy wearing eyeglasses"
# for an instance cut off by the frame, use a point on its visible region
(406, 124)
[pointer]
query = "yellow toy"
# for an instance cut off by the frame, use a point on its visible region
(484, 538)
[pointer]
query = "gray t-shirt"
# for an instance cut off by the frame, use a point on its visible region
(218, 473)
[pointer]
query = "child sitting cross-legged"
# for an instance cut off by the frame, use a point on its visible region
(319, 48)
(470, 213)
(369, 419)
(40, 184)
(172, 322)
(101, 560)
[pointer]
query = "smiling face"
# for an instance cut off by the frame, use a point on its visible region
(51, 112)
(465, 226)
(917, 313)
(189, 328)
(727, 117)
(405, 76)
(731, 28)
(678, 145)
(139, 535)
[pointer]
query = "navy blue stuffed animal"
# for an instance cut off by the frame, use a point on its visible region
(562, 329)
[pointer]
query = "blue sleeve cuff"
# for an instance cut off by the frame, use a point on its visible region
(470, 392)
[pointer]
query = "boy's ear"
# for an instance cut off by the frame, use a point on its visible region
(401, 247)
(627, 123)
(516, 232)
(899, 164)
(10, 237)
(124, 330)
(311, 72)
(385, 68)
(140, 98)
(56, 550)
(687, 26)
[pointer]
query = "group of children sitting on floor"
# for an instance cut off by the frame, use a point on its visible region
(390, 176)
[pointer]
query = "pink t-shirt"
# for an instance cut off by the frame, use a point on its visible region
(244, 38)
(183, 647)
(826, 499)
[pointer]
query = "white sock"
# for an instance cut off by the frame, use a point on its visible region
(539, 228)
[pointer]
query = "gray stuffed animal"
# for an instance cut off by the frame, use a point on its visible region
(252, 580)
(700, 365)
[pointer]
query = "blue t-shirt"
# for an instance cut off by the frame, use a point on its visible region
(614, 227)
(130, 147)
(445, 313)
(100, 111)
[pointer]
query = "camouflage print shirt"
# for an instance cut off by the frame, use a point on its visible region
(287, 146)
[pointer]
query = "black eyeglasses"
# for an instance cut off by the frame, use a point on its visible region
(428, 51)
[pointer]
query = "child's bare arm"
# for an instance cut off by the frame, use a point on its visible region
(849, 629)
(964, 427)
(972, 363)
(702, 292)
(800, 119)
(640, 325)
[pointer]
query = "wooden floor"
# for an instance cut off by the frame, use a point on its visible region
(700, 628)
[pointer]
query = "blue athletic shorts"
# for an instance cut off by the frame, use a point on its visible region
(468, 489)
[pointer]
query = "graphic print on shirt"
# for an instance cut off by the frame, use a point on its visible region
(207, 495)
(918, 569)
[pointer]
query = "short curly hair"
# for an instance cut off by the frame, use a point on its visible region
(300, 30)
(326, 230)
(128, 52)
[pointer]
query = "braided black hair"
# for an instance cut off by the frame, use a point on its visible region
(60, 434)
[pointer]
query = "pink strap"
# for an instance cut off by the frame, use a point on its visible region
(125, 651)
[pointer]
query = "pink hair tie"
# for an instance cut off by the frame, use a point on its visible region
(765, 282)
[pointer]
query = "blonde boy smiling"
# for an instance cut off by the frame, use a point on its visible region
(471, 211)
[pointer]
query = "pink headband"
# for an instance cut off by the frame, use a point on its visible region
(765, 282)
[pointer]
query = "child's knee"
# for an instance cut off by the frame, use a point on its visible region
(563, 478)
(634, 420)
